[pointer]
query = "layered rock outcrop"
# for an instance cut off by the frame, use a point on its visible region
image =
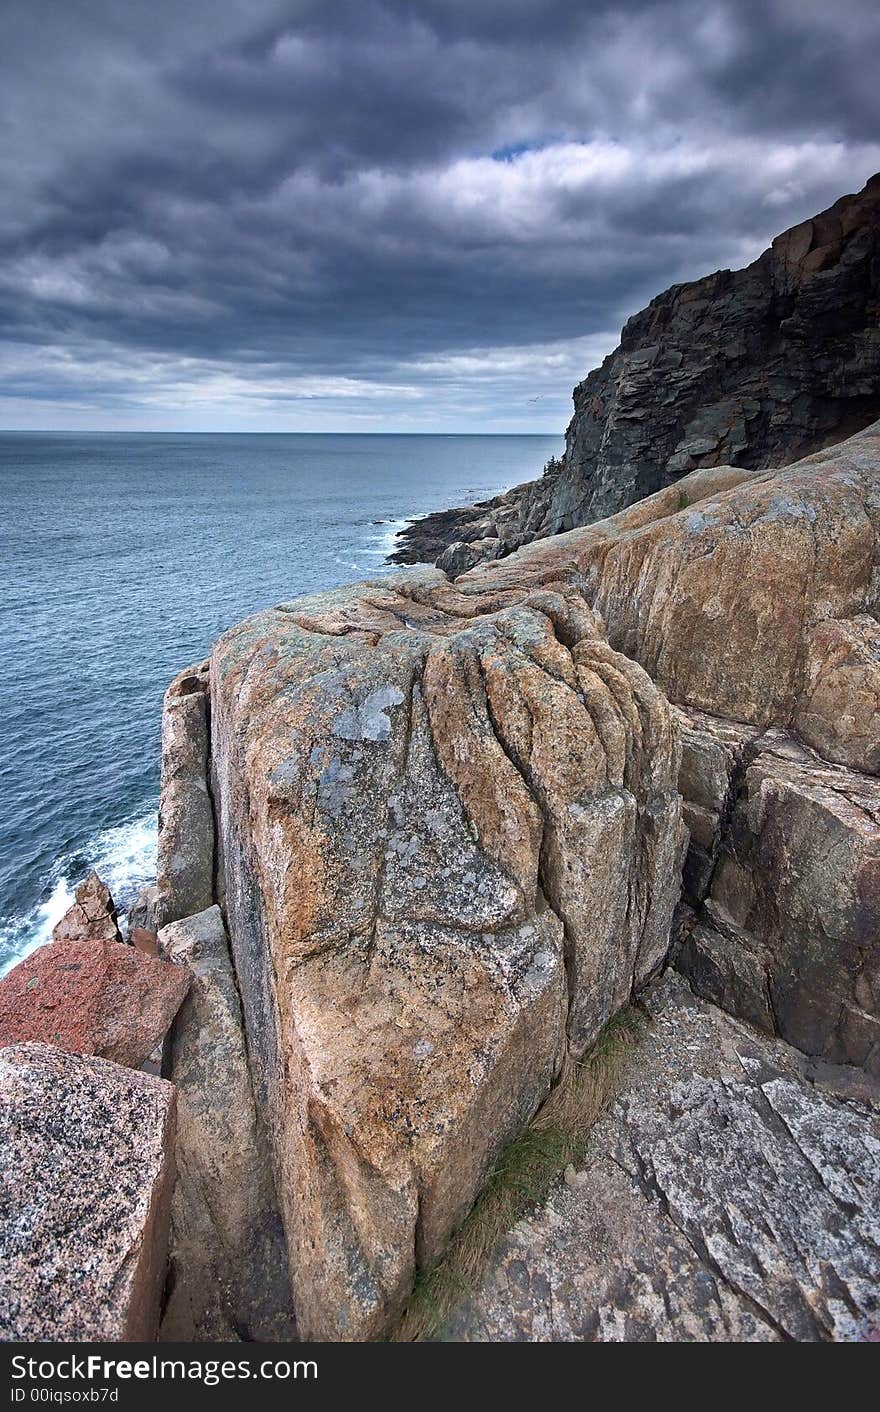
(86, 1173)
(724, 1198)
(451, 845)
(755, 367)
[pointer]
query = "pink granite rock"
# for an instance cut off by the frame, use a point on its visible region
(92, 997)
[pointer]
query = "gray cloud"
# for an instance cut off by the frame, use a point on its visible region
(238, 213)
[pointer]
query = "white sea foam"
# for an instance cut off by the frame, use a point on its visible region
(123, 855)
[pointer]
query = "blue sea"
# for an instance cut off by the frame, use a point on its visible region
(124, 557)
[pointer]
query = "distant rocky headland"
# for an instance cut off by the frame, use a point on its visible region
(516, 932)
(752, 367)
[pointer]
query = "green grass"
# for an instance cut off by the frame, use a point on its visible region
(523, 1175)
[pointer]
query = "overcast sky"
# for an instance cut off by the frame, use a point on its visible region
(270, 215)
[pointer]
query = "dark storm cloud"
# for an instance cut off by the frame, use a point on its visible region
(249, 212)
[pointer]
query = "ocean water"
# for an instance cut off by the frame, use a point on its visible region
(123, 558)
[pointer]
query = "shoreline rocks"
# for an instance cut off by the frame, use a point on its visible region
(185, 863)
(92, 917)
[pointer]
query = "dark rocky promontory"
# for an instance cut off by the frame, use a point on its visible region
(752, 367)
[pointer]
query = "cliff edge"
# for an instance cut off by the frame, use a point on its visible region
(753, 367)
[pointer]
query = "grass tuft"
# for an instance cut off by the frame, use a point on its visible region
(523, 1175)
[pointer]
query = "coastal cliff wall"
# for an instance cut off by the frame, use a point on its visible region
(453, 817)
(754, 367)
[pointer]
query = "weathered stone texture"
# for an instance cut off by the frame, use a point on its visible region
(724, 1199)
(92, 916)
(450, 816)
(788, 934)
(86, 1171)
(91, 997)
(228, 1275)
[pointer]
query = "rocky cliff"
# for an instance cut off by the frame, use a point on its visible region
(451, 818)
(754, 367)
(422, 839)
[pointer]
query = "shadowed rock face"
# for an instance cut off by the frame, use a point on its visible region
(228, 1274)
(755, 367)
(86, 1172)
(185, 862)
(452, 843)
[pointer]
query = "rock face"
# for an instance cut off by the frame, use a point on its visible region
(91, 997)
(185, 863)
(449, 818)
(786, 931)
(755, 367)
(724, 1199)
(452, 842)
(228, 1272)
(85, 1189)
(92, 916)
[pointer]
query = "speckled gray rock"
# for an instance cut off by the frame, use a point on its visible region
(724, 1198)
(228, 1274)
(185, 861)
(86, 1171)
(754, 367)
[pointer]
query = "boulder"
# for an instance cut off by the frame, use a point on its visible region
(92, 917)
(91, 997)
(432, 828)
(86, 1171)
(228, 1275)
(460, 557)
(185, 862)
(724, 1198)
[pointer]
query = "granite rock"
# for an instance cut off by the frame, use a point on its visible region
(724, 1198)
(86, 1170)
(92, 917)
(452, 845)
(185, 863)
(91, 997)
(788, 932)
